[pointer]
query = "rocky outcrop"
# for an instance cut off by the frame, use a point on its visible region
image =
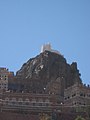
(47, 65)
(44, 72)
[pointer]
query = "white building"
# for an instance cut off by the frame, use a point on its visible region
(47, 47)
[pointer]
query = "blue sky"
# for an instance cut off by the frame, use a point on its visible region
(27, 24)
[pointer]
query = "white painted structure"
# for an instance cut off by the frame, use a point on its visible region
(47, 47)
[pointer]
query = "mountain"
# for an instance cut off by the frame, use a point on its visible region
(48, 72)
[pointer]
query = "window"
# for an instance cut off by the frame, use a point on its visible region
(20, 101)
(81, 94)
(5, 78)
(6, 100)
(40, 104)
(47, 104)
(27, 101)
(68, 97)
(13, 101)
(65, 98)
(84, 95)
(73, 95)
(34, 104)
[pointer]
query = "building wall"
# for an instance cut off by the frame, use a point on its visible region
(27, 101)
(77, 94)
(4, 77)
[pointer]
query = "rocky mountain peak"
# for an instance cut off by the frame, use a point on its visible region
(44, 65)
(47, 70)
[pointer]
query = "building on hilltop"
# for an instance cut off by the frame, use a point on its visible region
(4, 78)
(48, 47)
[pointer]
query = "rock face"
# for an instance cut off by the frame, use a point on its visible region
(47, 73)
(47, 65)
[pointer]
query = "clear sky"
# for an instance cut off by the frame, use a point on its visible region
(27, 24)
